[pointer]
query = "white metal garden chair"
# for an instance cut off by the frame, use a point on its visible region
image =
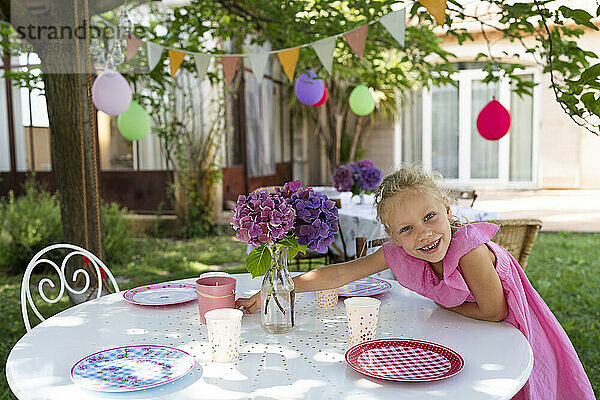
(94, 261)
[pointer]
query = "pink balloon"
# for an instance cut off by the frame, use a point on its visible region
(323, 99)
(493, 121)
(111, 93)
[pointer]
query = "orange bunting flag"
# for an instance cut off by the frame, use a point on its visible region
(133, 45)
(175, 58)
(356, 39)
(437, 8)
(288, 60)
(230, 67)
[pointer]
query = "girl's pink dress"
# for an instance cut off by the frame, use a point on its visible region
(557, 372)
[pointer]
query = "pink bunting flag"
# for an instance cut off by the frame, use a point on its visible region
(356, 39)
(230, 67)
(133, 45)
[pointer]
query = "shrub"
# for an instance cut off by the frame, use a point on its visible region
(27, 224)
(118, 240)
(31, 222)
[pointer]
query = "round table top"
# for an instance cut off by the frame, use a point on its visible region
(306, 363)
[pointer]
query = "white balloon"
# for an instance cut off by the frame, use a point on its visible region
(111, 92)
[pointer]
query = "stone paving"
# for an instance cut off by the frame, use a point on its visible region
(559, 210)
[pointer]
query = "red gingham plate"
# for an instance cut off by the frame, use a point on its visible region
(404, 360)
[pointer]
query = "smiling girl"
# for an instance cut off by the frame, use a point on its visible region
(461, 270)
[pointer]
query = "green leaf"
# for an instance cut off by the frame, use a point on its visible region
(591, 103)
(590, 74)
(291, 242)
(581, 17)
(258, 261)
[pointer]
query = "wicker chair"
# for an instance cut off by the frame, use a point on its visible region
(363, 245)
(517, 236)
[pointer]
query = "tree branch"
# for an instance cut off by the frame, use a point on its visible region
(555, 88)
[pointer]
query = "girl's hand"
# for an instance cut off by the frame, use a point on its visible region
(251, 304)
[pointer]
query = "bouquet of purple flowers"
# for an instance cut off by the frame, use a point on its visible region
(294, 216)
(357, 177)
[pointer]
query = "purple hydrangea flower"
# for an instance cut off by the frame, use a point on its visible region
(262, 217)
(316, 219)
(366, 174)
(289, 189)
(343, 179)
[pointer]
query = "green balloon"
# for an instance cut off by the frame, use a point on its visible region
(361, 101)
(134, 123)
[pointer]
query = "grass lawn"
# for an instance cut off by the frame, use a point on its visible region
(563, 267)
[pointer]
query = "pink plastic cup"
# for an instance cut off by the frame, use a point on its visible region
(214, 292)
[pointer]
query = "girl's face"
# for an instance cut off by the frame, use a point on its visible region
(420, 224)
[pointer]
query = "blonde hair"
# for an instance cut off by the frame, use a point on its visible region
(409, 176)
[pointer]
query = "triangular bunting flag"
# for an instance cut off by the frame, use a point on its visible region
(133, 45)
(288, 59)
(258, 62)
(356, 39)
(154, 54)
(395, 23)
(230, 66)
(324, 49)
(437, 8)
(202, 61)
(175, 58)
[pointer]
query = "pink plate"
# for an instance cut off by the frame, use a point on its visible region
(404, 360)
(368, 286)
(161, 294)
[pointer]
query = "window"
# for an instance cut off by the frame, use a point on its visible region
(439, 129)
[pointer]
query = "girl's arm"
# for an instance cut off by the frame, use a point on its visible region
(483, 281)
(329, 277)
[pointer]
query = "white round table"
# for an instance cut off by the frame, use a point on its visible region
(306, 363)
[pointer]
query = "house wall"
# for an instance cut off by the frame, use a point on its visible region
(559, 144)
(379, 146)
(567, 152)
(589, 145)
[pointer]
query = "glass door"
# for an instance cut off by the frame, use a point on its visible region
(444, 130)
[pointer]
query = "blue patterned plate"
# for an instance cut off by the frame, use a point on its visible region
(368, 286)
(128, 368)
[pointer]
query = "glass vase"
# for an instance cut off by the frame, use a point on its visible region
(361, 199)
(277, 294)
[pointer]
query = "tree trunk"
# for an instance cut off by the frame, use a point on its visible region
(71, 123)
(355, 138)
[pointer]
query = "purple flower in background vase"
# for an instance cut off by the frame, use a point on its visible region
(365, 177)
(370, 178)
(343, 179)
(316, 219)
(262, 217)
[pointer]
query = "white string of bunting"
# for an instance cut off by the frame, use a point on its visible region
(394, 23)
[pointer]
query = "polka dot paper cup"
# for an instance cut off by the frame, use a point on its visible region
(224, 328)
(362, 313)
(327, 298)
